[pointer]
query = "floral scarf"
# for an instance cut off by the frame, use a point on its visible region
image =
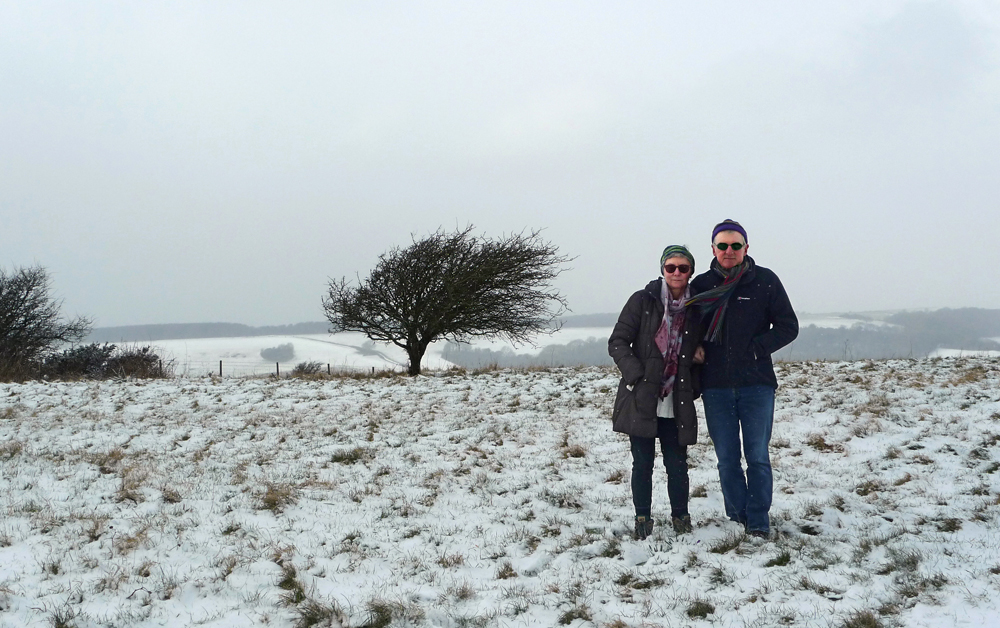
(668, 336)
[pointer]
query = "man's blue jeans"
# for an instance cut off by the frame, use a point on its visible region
(749, 409)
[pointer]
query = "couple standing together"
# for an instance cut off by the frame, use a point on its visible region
(712, 337)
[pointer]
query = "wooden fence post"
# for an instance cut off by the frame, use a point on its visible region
(277, 370)
(220, 368)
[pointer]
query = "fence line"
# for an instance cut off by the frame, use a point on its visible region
(235, 368)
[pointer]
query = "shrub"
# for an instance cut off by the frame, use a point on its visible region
(97, 361)
(76, 362)
(307, 368)
(139, 362)
(281, 353)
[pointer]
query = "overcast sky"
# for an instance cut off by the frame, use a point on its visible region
(218, 161)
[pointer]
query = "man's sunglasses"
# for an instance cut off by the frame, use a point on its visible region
(670, 268)
(722, 246)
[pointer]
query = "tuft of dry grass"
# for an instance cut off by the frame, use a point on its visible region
(277, 497)
(818, 442)
(108, 462)
(132, 478)
(506, 571)
(451, 560)
(95, 527)
(349, 456)
(971, 375)
(578, 611)
(878, 405)
(294, 591)
(313, 613)
(11, 449)
(862, 619)
(727, 543)
(868, 487)
(170, 495)
(615, 477)
(127, 543)
(699, 609)
(780, 560)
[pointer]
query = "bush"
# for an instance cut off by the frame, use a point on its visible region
(281, 353)
(97, 361)
(304, 369)
(140, 362)
(83, 361)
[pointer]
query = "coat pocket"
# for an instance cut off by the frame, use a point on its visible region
(627, 417)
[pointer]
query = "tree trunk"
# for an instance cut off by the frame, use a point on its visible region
(416, 353)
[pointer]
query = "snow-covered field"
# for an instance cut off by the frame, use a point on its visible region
(241, 355)
(347, 351)
(351, 351)
(490, 499)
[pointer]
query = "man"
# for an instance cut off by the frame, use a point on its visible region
(747, 317)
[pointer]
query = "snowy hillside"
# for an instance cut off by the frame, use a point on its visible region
(353, 351)
(494, 499)
(242, 355)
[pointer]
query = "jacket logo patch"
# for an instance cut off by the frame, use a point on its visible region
(742, 298)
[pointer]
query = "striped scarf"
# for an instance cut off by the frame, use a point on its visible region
(717, 299)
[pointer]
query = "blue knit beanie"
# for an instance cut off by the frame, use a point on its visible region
(730, 225)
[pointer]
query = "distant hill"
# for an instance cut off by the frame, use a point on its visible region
(887, 335)
(908, 334)
(180, 331)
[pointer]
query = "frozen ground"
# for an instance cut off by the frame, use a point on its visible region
(494, 499)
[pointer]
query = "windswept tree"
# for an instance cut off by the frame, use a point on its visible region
(31, 326)
(453, 286)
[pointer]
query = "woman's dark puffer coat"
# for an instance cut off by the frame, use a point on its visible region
(633, 347)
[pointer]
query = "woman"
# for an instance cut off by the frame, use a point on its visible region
(654, 344)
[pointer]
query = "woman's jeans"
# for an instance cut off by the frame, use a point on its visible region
(675, 461)
(727, 412)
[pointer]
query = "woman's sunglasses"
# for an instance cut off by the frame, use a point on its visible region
(722, 246)
(670, 268)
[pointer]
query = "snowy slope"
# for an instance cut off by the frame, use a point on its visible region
(241, 355)
(499, 499)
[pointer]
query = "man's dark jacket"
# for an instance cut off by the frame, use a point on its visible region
(759, 320)
(633, 347)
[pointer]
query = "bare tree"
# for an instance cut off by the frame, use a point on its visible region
(452, 286)
(31, 326)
